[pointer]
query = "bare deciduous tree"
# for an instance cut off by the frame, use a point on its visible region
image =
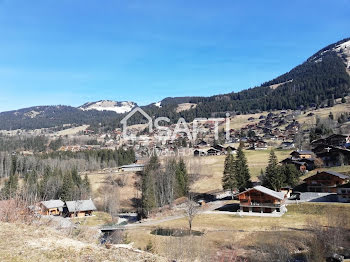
(191, 211)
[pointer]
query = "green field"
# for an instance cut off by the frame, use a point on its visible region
(210, 168)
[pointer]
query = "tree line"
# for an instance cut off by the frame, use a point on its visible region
(52, 184)
(82, 161)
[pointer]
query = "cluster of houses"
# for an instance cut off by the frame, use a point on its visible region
(329, 152)
(56, 207)
(333, 150)
(215, 150)
(260, 199)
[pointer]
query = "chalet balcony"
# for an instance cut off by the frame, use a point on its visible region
(255, 204)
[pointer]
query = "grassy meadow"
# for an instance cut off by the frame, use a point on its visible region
(246, 233)
(210, 168)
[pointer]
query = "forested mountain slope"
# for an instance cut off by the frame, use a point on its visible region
(324, 76)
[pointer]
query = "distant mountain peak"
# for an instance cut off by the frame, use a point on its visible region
(341, 48)
(109, 105)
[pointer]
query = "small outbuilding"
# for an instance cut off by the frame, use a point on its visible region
(51, 207)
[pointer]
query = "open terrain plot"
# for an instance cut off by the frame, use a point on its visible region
(248, 235)
(209, 169)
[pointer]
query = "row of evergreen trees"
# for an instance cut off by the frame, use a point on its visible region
(161, 184)
(236, 172)
(277, 176)
(83, 161)
(53, 184)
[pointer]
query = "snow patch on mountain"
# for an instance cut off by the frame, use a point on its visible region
(158, 104)
(343, 51)
(32, 114)
(108, 105)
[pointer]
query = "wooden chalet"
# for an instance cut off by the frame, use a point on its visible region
(213, 152)
(219, 147)
(302, 164)
(79, 208)
(287, 145)
(337, 140)
(51, 207)
(260, 199)
(333, 156)
(302, 154)
(199, 152)
(325, 181)
(343, 193)
(258, 145)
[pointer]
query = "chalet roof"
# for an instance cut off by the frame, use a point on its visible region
(54, 203)
(80, 205)
(265, 190)
(303, 152)
(333, 173)
(213, 149)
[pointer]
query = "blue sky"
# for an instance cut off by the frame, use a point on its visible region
(70, 52)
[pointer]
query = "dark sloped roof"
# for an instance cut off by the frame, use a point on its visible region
(333, 173)
(80, 205)
(302, 152)
(54, 203)
(336, 174)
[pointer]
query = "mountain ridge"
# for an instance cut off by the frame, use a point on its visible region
(323, 76)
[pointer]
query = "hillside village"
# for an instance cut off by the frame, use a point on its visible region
(189, 131)
(320, 165)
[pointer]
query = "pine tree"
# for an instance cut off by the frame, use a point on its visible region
(273, 178)
(242, 175)
(343, 100)
(181, 179)
(291, 175)
(11, 185)
(87, 184)
(76, 178)
(67, 190)
(228, 179)
(148, 198)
